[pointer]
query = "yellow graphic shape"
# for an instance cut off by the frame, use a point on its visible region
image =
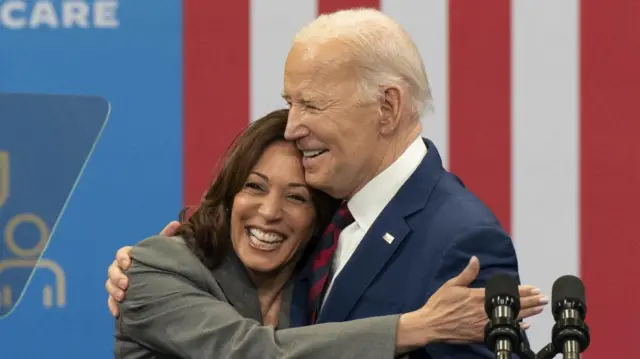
(4, 177)
(47, 295)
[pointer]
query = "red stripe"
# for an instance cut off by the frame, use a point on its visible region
(330, 228)
(216, 86)
(480, 100)
(327, 6)
(324, 256)
(610, 173)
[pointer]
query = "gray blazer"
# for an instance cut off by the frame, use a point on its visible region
(176, 308)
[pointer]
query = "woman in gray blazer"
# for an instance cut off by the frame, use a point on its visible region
(222, 288)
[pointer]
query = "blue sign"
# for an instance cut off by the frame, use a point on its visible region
(129, 53)
(45, 142)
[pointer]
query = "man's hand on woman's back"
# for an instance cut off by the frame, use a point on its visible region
(118, 282)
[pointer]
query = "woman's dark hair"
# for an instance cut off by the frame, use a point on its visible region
(206, 230)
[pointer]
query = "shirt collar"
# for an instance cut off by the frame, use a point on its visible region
(367, 204)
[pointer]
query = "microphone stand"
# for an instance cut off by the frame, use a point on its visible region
(524, 352)
(506, 328)
(548, 352)
(566, 329)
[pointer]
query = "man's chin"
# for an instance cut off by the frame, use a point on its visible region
(316, 179)
(322, 182)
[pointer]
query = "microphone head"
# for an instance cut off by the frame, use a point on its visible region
(499, 287)
(568, 288)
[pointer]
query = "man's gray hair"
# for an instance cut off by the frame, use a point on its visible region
(383, 52)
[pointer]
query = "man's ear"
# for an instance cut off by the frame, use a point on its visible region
(391, 109)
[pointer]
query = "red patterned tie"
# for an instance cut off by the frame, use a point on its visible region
(321, 266)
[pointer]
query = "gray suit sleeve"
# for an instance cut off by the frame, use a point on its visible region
(169, 310)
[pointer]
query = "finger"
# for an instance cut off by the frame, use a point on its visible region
(534, 301)
(170, 229)
(115, 292)
(109, 287)
(112, 290)
(530, 312)
(528, 290)
(525, 326)
(113, 307)
(468, 275)
(117, 277)
(123, 257)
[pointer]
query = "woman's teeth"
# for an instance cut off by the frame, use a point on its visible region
(264, 240)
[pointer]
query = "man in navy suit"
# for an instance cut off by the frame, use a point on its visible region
(356, 87)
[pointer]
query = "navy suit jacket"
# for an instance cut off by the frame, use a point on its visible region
(438, 225)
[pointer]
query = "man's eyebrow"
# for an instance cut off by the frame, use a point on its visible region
(304, 98)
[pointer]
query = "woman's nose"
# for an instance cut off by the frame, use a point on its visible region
(271, 207)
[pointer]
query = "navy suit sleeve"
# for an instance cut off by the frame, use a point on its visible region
(493, 247)
(496, 253)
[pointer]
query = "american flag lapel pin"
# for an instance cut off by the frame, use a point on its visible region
(388, 238)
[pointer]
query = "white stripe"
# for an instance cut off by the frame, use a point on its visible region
(273, 25)
(545, 149)
(428, 24)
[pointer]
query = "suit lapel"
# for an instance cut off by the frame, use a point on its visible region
(376, 248)
(299, 311)
(368, 260)
(237, 287)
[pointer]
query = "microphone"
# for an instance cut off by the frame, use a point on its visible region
(570, 334)
(502, 333)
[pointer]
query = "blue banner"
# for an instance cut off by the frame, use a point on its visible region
(129, 54)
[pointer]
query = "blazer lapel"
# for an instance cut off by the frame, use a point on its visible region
(237, 287)
(299, 311)
(382, 240)
(368, 260)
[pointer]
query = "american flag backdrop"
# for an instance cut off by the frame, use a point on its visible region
(536, 108)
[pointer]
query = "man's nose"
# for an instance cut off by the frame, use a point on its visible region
(271, 207)
(294, 130)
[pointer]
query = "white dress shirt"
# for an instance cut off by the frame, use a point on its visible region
(368, 203)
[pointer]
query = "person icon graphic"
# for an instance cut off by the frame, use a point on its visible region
(4, 177)
(28, 259)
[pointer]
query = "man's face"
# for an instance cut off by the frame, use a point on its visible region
(337, 133)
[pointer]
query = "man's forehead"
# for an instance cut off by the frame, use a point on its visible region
(312, 85)
(318, 51)
(305, 85)
(317, 59)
